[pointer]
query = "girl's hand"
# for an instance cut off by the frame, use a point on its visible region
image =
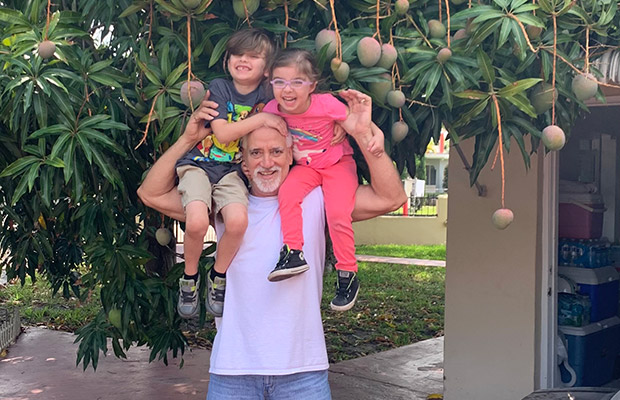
(376, 145)
(339, 134)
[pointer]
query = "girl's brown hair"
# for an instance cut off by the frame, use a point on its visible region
(302, 59)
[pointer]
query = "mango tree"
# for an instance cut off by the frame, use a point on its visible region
(93, 91)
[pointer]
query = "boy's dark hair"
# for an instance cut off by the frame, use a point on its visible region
(302, 59)
(251, 40)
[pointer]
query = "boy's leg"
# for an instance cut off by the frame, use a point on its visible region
(196, 226)
(230, 197)
(195, 191)
(235, 218)
(299, 182)
(339, 186)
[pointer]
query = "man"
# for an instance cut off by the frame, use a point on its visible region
(270, 342)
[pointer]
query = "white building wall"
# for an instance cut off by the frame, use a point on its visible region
(491, 289)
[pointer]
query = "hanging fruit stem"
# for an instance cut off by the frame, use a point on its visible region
(148, 122)
(587, 61)
(247, 13)
(440, 12)
(149, 44)
(286, 16)
(189, 60)
(527, 38)
(377, 22)
(499, 143)
(448, 20)
(555, 56)
(335, 22)
(47, 22)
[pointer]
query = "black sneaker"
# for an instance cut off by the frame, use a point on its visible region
(291, 263)
(216, 289)
(347, 288)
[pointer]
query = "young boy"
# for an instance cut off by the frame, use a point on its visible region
(210, 174)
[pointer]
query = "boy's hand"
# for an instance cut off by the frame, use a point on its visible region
(360, 113)
(196, 129)
(273, 121)
(376, 145)
(339, 134)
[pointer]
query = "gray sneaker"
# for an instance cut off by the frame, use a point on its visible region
(215, 295)
(187, 306)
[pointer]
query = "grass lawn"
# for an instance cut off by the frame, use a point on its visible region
(433, 252)
(397, 305)
(37, 306)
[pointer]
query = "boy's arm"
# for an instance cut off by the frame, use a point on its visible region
(226, 132)
(385, 193)
(158, 189)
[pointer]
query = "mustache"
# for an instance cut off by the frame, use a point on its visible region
(260, 169)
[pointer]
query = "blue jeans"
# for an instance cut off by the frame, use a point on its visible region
(301, 386)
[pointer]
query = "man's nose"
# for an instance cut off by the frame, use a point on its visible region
(267, 160)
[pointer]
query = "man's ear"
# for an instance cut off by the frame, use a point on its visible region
(289, 154)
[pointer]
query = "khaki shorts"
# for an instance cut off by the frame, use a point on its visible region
(194, 185)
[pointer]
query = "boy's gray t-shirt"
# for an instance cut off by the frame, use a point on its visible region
(215, 158)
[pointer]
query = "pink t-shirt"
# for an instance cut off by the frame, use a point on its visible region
(313, 130)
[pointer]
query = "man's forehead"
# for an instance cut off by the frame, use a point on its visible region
(265, 138)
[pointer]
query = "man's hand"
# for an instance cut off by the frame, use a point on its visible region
(196, 129)
(358, 122)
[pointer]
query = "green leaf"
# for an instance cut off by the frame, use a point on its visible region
(164, 4)
(473, 112)
(134, 8)
(54, 162)
(484, 31)
(432, 80)
(20, 190)
(218, 50)
(505, 31)
(13, 17)
(175, 75)
(149, 72)
(472, 94)
(486, 67)
(18, 166)
(33, 174)
(518, 87)
(417, 70)
(100, 65)
(50, 130)
(523, 104)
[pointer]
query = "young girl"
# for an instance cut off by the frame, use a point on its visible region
(322, 159)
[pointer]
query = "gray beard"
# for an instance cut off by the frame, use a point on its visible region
(266, 186)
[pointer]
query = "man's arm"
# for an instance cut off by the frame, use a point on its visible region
(158, 189)
(385, 193)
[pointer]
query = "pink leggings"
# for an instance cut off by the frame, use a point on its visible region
(339, 183)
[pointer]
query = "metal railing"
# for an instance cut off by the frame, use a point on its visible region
(10, 327)
(419, 206)
(425, 206)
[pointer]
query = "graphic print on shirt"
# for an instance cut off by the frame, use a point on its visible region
(302, 137)
(213, 150)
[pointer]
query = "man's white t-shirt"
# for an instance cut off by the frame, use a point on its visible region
(272, 328)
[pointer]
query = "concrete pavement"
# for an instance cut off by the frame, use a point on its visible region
(41, 365)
